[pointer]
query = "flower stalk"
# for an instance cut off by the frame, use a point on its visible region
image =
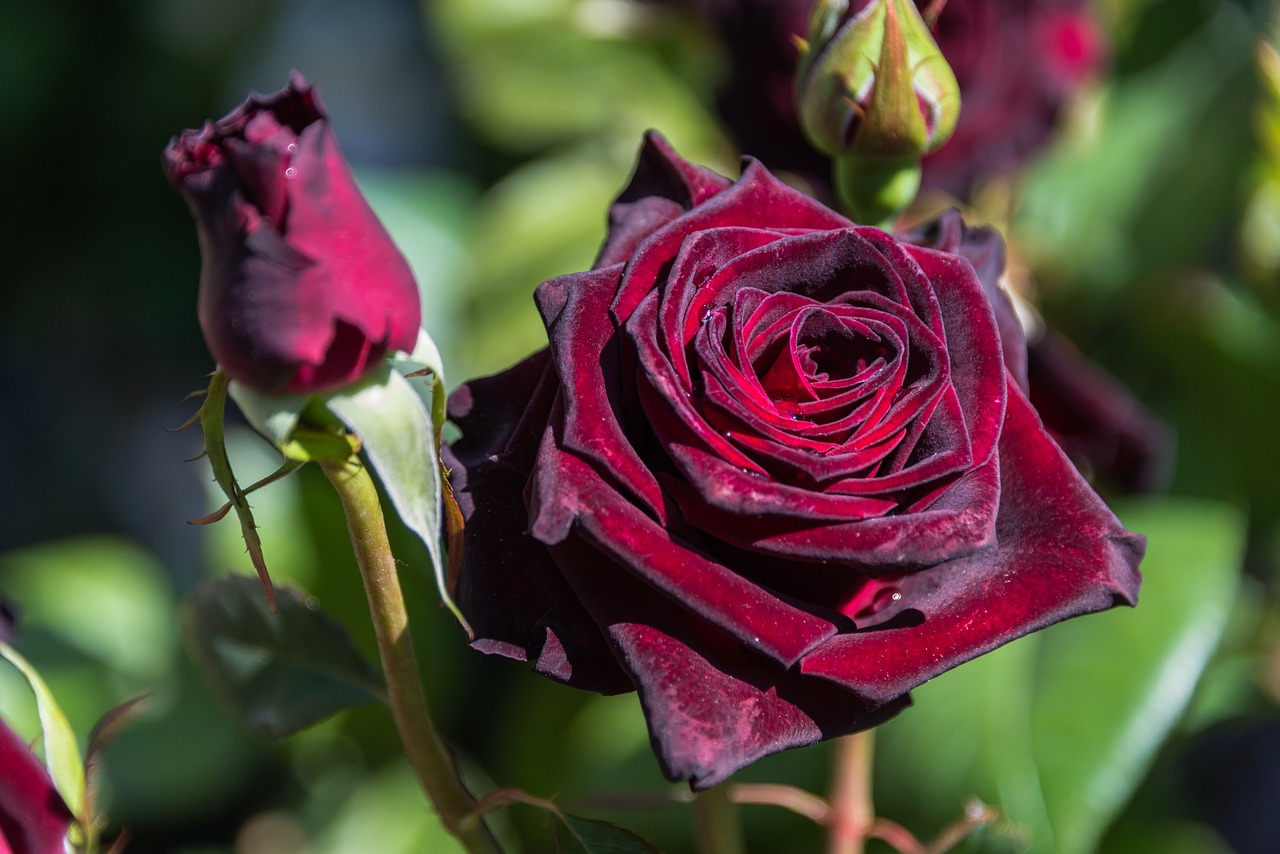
(427, 754)
(715, 822)
(852, 811)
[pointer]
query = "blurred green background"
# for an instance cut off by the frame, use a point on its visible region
(491, 135)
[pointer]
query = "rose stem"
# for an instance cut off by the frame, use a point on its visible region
(426, 752)
(851, 809)
(715, 822)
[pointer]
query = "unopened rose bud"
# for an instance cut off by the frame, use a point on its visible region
(876, 95)
(301, 288)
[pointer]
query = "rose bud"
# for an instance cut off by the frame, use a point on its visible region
(772, 472)
(875, 94)
(1016, 62)
(301, 288)
(33, 817)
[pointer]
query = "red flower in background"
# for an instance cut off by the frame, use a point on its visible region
(301, 287)
(772, 472)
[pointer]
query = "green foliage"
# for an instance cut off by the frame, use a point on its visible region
(586, 836)
(276, 672)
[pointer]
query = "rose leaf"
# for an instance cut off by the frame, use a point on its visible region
(1111, 687)
(575, 835)
(277, 673)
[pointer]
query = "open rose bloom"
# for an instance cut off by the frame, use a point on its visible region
(772, 472)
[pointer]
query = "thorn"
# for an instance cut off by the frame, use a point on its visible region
(215, 516)
(195, 395)
(423, 372)
(199, 456)
(192, 420)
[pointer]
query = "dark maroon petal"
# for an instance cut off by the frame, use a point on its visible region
(664, 186)
(33, 817)
(984, 249)
(509, 588)
(301, 288)
(1109, 434)
(584, 350)
(755, 199)
(1060, 553)
(977, 361)
(712, 706)
(583, 505)
(958, 522)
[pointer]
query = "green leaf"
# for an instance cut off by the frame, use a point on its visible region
(1058, 728)
(277, 673)
(61, 751)
(399, 436)
(1112, 686)
(577, 835)
(385, 813)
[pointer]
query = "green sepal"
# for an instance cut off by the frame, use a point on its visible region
(399, 437)
(61, 750)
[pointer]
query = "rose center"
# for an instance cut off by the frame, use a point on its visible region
(819, 354)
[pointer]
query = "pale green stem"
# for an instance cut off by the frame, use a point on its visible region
(852, 812)
(426, 751)
(715, 822)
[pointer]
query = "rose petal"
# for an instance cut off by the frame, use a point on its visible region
(629, 538)
(1060, 553)
(711, 706)
(509, 588)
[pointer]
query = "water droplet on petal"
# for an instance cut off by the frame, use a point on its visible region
(290, 173)
(291, 147)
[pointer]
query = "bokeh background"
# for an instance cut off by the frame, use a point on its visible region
(490, 135)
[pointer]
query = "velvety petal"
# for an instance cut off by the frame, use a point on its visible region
(960, 521)
(583, 505)
(1060, 553)
(33, 817)
(664, 186)
(984, 249)
(741, 204)
(977, 369)
(1107, 432)
(508, 587)
(584, 349)
(712, 707)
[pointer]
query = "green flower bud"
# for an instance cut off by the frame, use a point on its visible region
(874, 83)
(875, 94)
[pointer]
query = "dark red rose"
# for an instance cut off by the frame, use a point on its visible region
(771, 472)
(301, 288)
(33, 817)
(1016, 62)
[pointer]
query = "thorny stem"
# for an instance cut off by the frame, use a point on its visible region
(715, 822)
(426, 751)
(852, 813)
